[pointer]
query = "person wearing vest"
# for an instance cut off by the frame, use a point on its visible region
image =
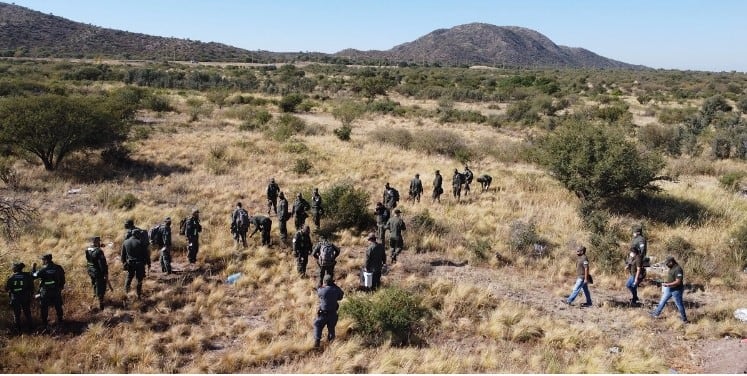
(396, 226)
(20, 287)
(674, 287)
(135, 257)
(302, 249)
(325, 267)
(192, 232)
(98, 269)
(329, 296)
(52, 281)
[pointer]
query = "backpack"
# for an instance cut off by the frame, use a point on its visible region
(183, 226)
(242, 221)
(155, 234)
(327, 255)
(395, 194)
(141, 235)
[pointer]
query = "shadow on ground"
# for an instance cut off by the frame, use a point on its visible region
(660, 207)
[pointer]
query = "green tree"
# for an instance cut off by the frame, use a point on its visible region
(597, 162)
(348, 112)
(53, 126)
(289, 102)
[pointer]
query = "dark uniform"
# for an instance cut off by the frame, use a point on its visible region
(639, 242)
(135, 257)
(302, 249)
(273, 189)
(52, 281)
(382, 217)
(416, 188)
(283, 216)
(238, 227)
(485, 181)
(98, 269)
(467, 176)
(20, 287)
(390, 197)
(264, 224)
(329, 296)
(300, 207)
(375, 260)
(327, 268)
(396, 226)
(192, 231)
(317, 210)
(438, 188)
(165, 251)
(456, 184)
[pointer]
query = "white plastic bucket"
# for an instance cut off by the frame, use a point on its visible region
(367, 279)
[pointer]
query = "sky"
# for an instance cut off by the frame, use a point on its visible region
(706, 35)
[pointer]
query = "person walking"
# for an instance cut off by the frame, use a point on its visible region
(583, 278)
(639, 242)
(329, 296)
(390, 197)
(165, 251)
(20, 288)
(673, 287)
(283, 216)
(263, 224)
(467, 177)
(416, 188)
(300, 208)
(317, 210)
(381, 213)
(438, 188)
(192, 231)
(634, 266)
(302, 249)
(135, 257)
(326, 254)
(52, 282)
(239, 225)
(375, 260)
(273, 189)
(396, 226)
(456, 184)
(98, 269)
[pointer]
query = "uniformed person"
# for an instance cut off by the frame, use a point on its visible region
(52, 281)
(98, 269)
(20, 287)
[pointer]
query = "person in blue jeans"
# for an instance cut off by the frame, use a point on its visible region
(634, 266)
(674, 287)
(582, 278)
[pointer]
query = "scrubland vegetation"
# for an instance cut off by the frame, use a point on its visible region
(576, 157)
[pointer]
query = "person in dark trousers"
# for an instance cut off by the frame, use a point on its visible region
(317, 209)
(239, 225)
(582, 278)
(390, 197)
(98, 269)
(302, 249)
(673, 287)
(456, 184)
(52, 282)
(273, 189)
(165, 251)
(416, 188)
(325, 254)
(467, 177)
(283, 216)
(396, 226)
(375, 260)
(633, 266)
(639, 242)
(485, 181)
(438, 188)
(381, 213)
(329, 296)
(192, 232)
(300, 208)
(263, 224)
(135, 257)
(20, 287)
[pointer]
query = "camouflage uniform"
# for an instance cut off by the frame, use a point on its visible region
(375, 260)
(382, 216)
(165, 251)
(467, 177)
(390, 197)
(300, 206)
(135, 256)
(239, 229)
(192, 231)
(456, 184)
(328, 269)
(485, 181)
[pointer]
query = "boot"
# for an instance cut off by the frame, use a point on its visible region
(317, 344)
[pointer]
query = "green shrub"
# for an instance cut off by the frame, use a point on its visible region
(343, 133)
(731, 180)
(424, 222)
(346, 207)
(286, 126)
(391, 313)
(738, 246)
(295, 146)
(672, 116)
(302, 166)
(289, 102)
(396, 136)
(157, 103)
(115, 200)
(523, 236)
(442, 142)
(721, 147)
(667, 139)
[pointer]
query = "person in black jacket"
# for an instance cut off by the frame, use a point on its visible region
(192, 232)
(20, 287)
(98, 269)
(52, 281)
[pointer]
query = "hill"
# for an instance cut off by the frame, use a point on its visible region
(484, 44)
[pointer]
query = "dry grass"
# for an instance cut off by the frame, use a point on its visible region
(193, 322)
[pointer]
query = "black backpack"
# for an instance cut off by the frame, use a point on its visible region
(183, 226)
(141, 235)
(242, 222)
(155, 234)
(327, 255)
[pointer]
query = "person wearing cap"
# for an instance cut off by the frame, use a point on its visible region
(302, 249)
(317, 210)
(20, 287)
(375, 260)
(135, 256)
(165, 251)
(396, 226)
(300, 207)
(329, 296)
(639, 241)
(467, 176)
(264, 224)
(273, 189)
(52, 281)
(485, 180)
(456, 184)
(416, 188)
(634, 265)
(582, 278)
(390, 197)
(381, 213)
(673, 287)
(98, 269)
(192, 231)
(283, 216)
(438, 188)
(239, 225)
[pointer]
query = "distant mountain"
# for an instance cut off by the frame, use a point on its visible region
(484, 44)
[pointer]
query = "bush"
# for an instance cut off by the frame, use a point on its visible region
(442, 142)
(15, 216)
(396, 136)
(424, 222)
(667, 139)
(721, 147)
(157, 103)
(391, 313)
(672, 116)
(286, 126)
(348, 112)
(116, 156)
(346, 206)
(289, 102)
(738, 246)
(523, 237)
(731, 180)
(343, 133)
(8, 173)
(680, 248)
(302, 166)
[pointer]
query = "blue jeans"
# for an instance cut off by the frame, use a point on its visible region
(631, 285)
(666, 293)
(580, 284)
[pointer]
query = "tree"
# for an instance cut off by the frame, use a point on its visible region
(289, 102)
(597, 162)
(53, 126)
(348, 112)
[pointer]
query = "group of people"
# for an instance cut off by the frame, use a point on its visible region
(459, 181)
(21, 287)
(635, 268)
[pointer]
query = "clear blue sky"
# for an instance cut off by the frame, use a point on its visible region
(670, 34)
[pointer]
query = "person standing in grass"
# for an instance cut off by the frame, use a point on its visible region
(582, 278)
(165, 251)
(135, 257)
(317, 210)
(239, 225)
(396, 226)
(98, 269)
(438, 188)
(20, 287)
(329, 296)
(375, 260)
(52, 281)
(634, 265)
(283, 216)
(416, 188)
(326, 255)
(302, 249)
(674, 287)
(456, 184)
(390, 197)
(273, 189)
(467, 177)
(192, 231)
(639, 241)
(381, 213)
(300, 207)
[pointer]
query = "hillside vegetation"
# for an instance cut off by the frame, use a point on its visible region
(481, 280)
